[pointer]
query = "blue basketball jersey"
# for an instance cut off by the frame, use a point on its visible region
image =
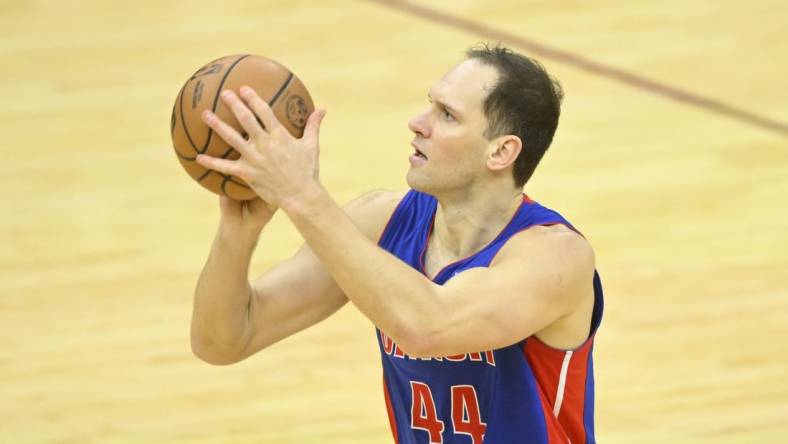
(527, 393)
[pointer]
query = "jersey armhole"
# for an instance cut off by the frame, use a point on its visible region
(393, 215)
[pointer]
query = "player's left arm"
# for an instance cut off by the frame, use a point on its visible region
(534, 281)
(537, 278)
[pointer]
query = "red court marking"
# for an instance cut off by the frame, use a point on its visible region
(628, 78)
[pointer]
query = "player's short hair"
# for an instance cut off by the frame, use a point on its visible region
(525, 102)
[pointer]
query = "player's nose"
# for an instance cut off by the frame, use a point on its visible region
(419, 124)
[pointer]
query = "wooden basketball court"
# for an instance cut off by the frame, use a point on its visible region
(671, 156)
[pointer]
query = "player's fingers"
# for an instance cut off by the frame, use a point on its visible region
(261, 109)
(243, 114)
(224, 166)
(227, 133)
(312, 128)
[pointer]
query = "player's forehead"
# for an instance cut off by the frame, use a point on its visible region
(465, 86)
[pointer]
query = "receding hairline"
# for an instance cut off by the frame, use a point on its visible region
(487, 86)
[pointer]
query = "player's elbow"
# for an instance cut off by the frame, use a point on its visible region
(426, 346)
(422, 333)
(419, 349)
(420, 341)
(207, 352)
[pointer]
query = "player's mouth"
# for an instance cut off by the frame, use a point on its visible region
(417, 158)
(418, 152)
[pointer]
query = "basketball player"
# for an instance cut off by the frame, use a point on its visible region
(486, 303)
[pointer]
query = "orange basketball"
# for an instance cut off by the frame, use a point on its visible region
(284, 92)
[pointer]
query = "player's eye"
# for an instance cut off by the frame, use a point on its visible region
(445, 114)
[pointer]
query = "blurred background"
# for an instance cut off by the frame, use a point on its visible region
(680, 184)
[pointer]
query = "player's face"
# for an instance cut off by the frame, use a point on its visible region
(449, 145)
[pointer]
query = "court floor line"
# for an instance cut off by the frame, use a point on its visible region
(629, 78)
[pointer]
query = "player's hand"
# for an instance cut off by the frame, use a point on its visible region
(246, 218)
(276, 165)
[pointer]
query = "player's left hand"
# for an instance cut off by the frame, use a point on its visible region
(274, 163)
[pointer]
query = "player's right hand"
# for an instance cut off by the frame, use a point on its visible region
(244, 217)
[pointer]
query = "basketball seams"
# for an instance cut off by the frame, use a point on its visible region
(183, 120)
(216, 99)
(213, 107)
(210, 131)
(204, 175)
(179, 101)
(281, 89)
(230, 179)
(227, 153)
(184, 157)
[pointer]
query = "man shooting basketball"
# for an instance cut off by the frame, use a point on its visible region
(486, 302)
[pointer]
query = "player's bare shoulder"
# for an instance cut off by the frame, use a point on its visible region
(570, 266)
(371, 211)
(557, 264)
(554, 244)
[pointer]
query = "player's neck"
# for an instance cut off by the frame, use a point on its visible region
(467, 222)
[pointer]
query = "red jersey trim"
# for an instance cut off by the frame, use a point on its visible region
(547, 364)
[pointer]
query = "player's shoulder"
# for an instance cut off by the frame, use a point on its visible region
(560, 263)
(376, 200)
(558, 242)
(371, 210)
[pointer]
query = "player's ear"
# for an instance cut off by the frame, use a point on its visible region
(503, 152)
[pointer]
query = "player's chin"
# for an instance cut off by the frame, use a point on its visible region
(417, 181)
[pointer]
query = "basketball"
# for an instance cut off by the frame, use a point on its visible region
(274, 83)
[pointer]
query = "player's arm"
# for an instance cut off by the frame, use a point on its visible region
(538, 278)
(515, 298)
(234, 318)
(541, 276)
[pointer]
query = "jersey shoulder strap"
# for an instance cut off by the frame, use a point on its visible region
(410, 222)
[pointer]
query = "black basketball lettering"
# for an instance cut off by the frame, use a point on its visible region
(197, 94)
(208, 70)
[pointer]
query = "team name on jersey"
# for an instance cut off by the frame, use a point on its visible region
(392, 349)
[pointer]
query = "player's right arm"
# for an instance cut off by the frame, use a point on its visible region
(234, 318)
